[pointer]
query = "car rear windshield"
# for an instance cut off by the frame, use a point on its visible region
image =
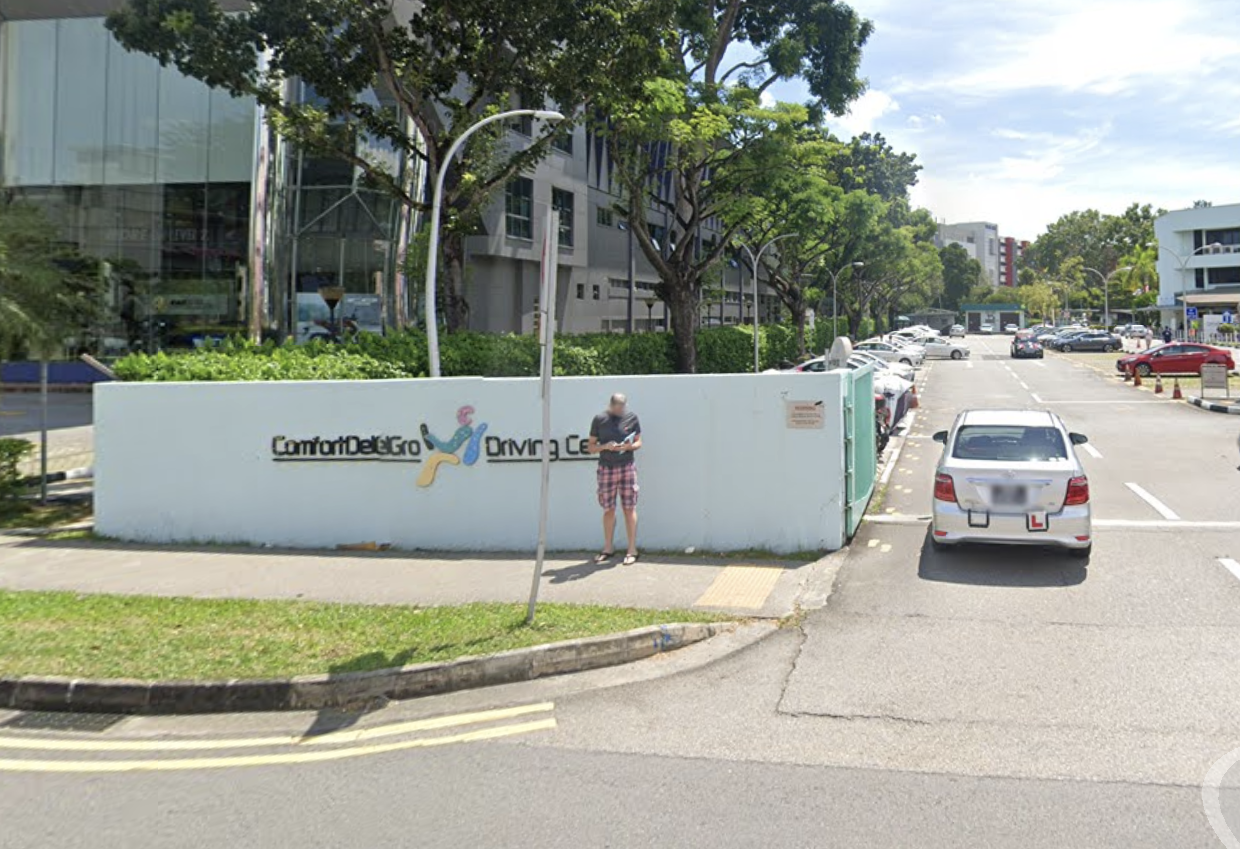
(1009, 442)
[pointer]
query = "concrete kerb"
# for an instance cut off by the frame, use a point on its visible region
(354, 689)
(1213, 407)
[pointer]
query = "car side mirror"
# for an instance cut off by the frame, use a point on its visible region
(941, 436)
(1078, 438)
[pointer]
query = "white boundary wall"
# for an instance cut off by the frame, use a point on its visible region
(722, 467)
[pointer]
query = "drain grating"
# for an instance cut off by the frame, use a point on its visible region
(62, 721)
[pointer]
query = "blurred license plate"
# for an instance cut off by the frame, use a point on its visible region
(1037, 522)
(1008, 495)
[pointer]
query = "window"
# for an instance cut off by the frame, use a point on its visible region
(598, 292)
(563, 142)
(659, 234)
(562, 202)
(581, 291)
(1009, 443)
(604, 217)
(518, 208)
(523, 124)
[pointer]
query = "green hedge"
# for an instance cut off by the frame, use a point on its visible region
(12, 452)
(721, 350)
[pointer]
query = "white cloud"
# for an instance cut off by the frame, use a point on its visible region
(865, 113)
(767, 99)
(1101, 46)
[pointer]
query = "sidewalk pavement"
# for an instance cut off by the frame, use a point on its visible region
(752, 588)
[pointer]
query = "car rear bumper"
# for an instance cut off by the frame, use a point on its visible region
(1071, 527)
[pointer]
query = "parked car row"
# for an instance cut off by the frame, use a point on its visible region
(1175, 358)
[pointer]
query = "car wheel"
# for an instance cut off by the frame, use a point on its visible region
(1081, 553)
(907, 362)
(956, 355)
(1067, 349)
(1144, 369)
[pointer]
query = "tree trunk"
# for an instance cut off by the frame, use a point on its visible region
(452, 283)
(682, 307)
(798, 320)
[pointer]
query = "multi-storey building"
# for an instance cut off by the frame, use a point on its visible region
(980, 239)
(195, 204)
(1010, 253)
(1198, 264)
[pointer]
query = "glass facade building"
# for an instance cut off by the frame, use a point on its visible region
(207, 223)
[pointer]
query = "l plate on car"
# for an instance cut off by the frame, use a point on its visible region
(1037, 522)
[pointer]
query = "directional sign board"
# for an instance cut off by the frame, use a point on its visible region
(1229, 317)
(1190, 313)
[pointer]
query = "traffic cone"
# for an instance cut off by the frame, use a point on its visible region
(1128, 374)
(1176, 394)
(1158, 385)
(915, 402)
(1136, 378)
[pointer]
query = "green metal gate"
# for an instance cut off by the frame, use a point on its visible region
(860, 448)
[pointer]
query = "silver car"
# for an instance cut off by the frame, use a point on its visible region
(1012, 477)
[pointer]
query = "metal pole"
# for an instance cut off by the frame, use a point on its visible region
(755, 310)
(432, 259)
(629, 323)
(43, 430)
(550, 268)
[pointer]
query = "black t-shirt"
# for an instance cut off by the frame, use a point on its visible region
(608, 428)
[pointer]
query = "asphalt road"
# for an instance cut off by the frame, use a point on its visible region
(985, 697)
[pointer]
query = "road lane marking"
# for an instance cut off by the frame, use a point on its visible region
(1035, 397)
(1163, 510)
(745, 587)
(1230, 565)
(873, 543)
(968, 364)
(331, 738)
(1023, 385)
(302, 757)
(1040, 365)
(1092, 451)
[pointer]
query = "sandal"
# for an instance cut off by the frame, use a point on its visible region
(604, 556)
(630, 559)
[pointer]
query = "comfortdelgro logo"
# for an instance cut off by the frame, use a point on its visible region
(468, 444)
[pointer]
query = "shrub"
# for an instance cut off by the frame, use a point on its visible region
(724, 350)
(283, 363)
(1226, 329)
(12, 452)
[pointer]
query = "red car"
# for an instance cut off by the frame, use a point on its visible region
(1175, 358)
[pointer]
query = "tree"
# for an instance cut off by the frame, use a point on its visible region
(48, 291)
(960, 275)
(868, 162)
(1098, 240)
(412, 77)
(692, 147)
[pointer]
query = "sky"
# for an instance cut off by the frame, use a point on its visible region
(1021, 111)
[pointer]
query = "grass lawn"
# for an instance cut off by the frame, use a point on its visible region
(30, 514)
(102, 636)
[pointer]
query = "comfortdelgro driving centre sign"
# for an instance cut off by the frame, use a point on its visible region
(454, 464)
(466, 446)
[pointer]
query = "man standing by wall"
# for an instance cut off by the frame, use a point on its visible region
(615, 434)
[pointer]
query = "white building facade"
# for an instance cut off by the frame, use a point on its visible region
(1198, 266)
(980, 239)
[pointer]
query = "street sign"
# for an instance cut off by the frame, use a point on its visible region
(1229, 317)
(1190, 313)
(1214, 376)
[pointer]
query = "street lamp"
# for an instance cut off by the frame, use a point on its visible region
(754, 262)
(650, 302)
(1106, 292)
(332, 296)
(834, 299)
(432, 259)
(1183, 261)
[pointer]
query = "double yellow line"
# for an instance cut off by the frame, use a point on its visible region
(311, 749)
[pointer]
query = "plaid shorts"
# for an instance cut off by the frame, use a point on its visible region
(617, 480)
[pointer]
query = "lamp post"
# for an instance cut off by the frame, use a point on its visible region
(834, 295)
(432, 259)
(1183, 261)
(649, 302)
(754, 260)
(332, 296)
(1106, 292)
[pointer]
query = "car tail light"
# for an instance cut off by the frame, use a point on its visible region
(944, 488)
(1078, 492)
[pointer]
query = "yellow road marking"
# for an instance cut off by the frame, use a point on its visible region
(332, 738)
(886, 548)
(740, 586)
(302, 757)
(873, 543)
